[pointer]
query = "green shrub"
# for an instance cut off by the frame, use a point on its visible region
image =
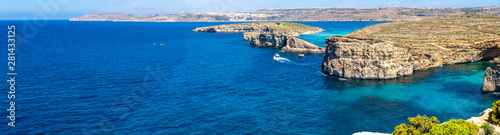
(418, 125)
(404, 129)
(495, 112)
(488, 130)
(455, 127)
(423, 125)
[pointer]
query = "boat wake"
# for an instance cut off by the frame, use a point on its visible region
(287, 61)
(282, 60)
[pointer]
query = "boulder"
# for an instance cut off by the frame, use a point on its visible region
(491, 81)
(301, 56)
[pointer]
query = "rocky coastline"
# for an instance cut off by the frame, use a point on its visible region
(390, 50)
(350, 57)
(272, 34)
(491, 82)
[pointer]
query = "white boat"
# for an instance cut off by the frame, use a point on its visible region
(162, 44)
(276, 56)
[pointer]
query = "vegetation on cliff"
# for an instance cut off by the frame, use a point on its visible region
(294, 27)
(495, 112)
(488, 130)
(485, 124)
(424, 125)
(417, 125)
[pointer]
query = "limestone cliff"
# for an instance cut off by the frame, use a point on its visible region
(491, 80)
(296, 45)
(265, 39)
(428, 43)
(350, 57)
(272, 34)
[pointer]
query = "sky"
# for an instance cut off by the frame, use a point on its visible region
(64, 9)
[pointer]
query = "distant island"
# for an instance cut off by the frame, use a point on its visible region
(272, 34)
(301, 14)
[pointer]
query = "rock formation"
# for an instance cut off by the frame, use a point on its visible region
(296, 45)
(350, 57)
(484, 117)
(388, 50)
(301, 55)
(491, 80)
(272, 34)
(265, 39)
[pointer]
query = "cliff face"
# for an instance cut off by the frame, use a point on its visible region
(350, 57)
(272, 34)
(491, 80)
(265, 39)
(428, 43)
(296, 45)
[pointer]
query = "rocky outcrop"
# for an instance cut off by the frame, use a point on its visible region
(427, 44)
(491, 80)
(484, 117)
(265, 39)
(272, 34)
(350, 57)
(286, 43)
(296, 45)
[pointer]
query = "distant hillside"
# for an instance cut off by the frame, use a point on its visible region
(301, 14)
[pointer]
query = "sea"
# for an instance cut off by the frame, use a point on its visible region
(116, 78)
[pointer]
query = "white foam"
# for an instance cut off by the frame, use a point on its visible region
(282, 60)
(287, 61)
(342, 79)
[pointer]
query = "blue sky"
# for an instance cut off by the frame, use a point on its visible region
(63, 9)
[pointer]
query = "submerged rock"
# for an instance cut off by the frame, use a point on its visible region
(491, 80)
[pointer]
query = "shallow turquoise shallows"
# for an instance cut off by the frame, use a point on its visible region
(114, 78)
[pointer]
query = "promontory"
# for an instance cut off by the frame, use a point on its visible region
(393, 49)
(272, 34)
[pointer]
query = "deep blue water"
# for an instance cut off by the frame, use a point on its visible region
(110, 78)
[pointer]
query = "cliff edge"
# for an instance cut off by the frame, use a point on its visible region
(272, 34)
(412, 46)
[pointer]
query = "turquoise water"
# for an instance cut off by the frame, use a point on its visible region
(109, 78)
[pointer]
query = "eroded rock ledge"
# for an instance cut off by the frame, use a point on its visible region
(389, 50)
(272, 34)
(491, 80)
(350, 57)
